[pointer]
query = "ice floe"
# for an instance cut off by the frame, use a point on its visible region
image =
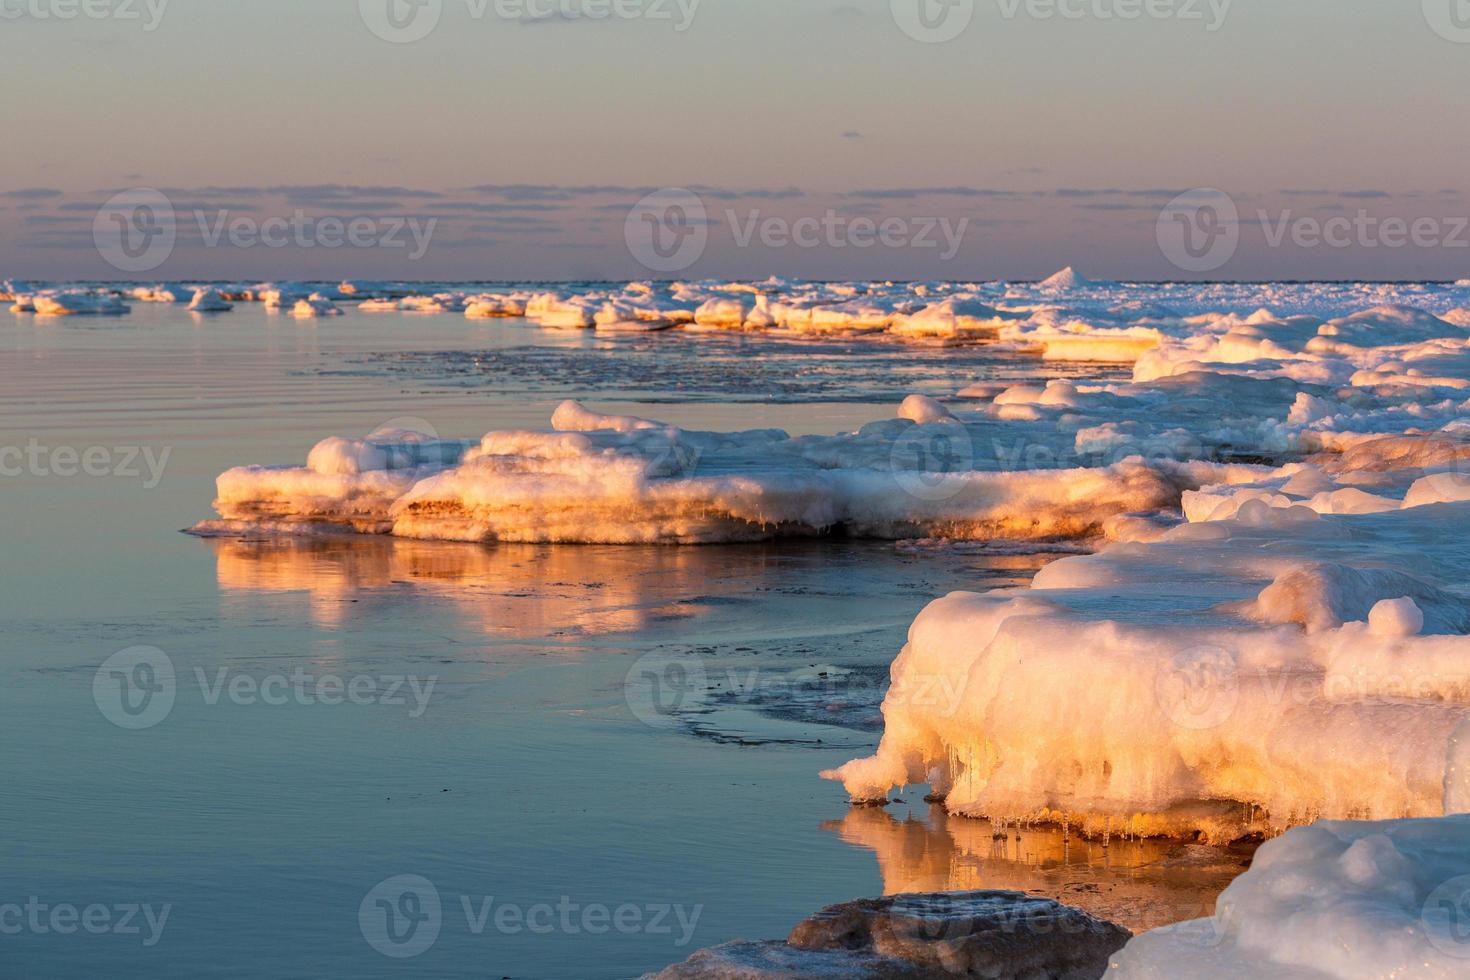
(71, 302)
(616, 479)
(315, 305)
(1335, 901)
(207, 299)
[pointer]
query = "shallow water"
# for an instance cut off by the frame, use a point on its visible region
(634, 729)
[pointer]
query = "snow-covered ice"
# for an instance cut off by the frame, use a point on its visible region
(1334, 901)
(71, 302)
(207, 299)
(1295, 649)
(613, 479)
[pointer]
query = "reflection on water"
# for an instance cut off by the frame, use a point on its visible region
(1137, 884)
(529, 591)
(526, 592)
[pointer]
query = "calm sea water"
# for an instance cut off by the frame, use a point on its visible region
(374, 747)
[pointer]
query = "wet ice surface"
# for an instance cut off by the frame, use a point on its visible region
(680, 367)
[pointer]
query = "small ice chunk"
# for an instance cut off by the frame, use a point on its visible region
(208, 300)
(1396, 617)
(924, 410)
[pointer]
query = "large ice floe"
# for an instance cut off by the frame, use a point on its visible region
(616, 479)
(1335, 901)
(1295, 649)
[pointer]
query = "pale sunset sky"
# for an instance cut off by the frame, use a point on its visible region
(1057, 139)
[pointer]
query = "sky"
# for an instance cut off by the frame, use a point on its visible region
(516, 136)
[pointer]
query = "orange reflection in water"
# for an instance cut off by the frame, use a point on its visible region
(1137, 884)
(514, 591)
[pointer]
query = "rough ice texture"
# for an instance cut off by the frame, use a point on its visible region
(1296, 650)
(614, 479)
(998, 934)
(1224, 678)
(70, 302)
(1335, 901)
